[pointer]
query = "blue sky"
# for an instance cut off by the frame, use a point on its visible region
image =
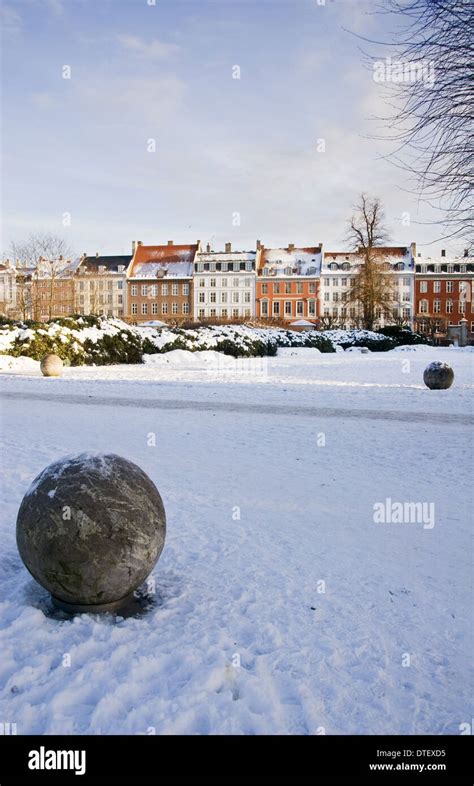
(235, 159)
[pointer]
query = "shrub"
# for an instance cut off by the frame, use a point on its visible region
(403, 335)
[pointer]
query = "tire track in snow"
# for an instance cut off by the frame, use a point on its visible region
(442, 419)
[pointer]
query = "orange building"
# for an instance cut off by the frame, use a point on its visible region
(160, 282)
(288, 282)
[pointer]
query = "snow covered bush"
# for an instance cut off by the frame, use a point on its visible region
(403, 336)
(376, 342)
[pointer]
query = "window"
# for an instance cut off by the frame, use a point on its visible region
(119, 284)
(144, 289)
(174, 308)
(202, 282)
(423, 306)
(437, 306)
(110, 284)
(164, 289)
(154, 290)
(223, 297)
(288, 288)
(334, 312)
(449, 286)
(288, 271)
(333, 266)
(312, 287)
(235, 282)
(185, 308)
(288, 307)
(223, 312)
(212, 267)
(199, 267)
(223, 282)
(134, 308)
(264, 289)
(213, 297)
(312, 308)
(202, 297)
(246, 297)
(449, 306)
(276, 309)
(264, 308)
(335, 297)
(299, 308)
(236, 267)
(224, 268)
(235, 297)
(276, 289)
(213, 282)
(335, 282)
(299, 287)
(248, 266)
(185, 289)
(266, 271)
(174, 289)
(343, 282)
(436, 286)
(423, 286)
(462, 306)
(235, 312)
(326, 296)
(144, 308)
(164, 308)
(134, 289)
(406, 311)
(201, 313)
(326, 312)
(212, 312)
(406, 295)
(154, 308)
(406, 281)
(462, 286)
(327, 282)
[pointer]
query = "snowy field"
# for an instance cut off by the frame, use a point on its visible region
(281, 606)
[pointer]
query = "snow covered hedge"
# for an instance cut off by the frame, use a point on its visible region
(100, 340)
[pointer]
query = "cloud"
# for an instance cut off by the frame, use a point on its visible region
(10, 20)
(153, 50)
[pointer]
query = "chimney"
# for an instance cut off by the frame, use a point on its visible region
(97, 253)
(291, 246)
(139, 243)
(443, 252)
(228, 248)
(466, 252)
(134, 245)
(419, 253)
(170, 242)
(259, 245)
(413, 249)
(208, 248)
(84, 255)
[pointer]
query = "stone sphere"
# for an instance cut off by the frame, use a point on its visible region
(51, 366)
(90, 528)
(438, 376)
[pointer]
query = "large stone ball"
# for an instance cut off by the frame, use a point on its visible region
(51, 366)
(90, 529)
(438, 376)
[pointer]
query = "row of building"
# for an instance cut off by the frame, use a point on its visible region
(180, 282)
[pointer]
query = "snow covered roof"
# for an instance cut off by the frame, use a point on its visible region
(291, 261)
(223, 256)
(344, 260)
(171, 261)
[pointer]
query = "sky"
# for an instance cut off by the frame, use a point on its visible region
(218, 120)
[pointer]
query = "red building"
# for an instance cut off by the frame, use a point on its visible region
(288, 282)
(443, 293)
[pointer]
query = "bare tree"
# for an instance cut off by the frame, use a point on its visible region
(44, 255)
(372, 290)
(431, 325)
(432, 90)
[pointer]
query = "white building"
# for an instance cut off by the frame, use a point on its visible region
(224, 284)
(8, 293)
(100, 285)
(338, 270)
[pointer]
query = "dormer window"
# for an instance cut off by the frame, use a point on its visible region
(101, 268)
(266, 271)
(212, 267)
(121, 268)
(333, 266)
(288, 271)
(345, 265)
(224, 267)
(400, 266)
(199, 267)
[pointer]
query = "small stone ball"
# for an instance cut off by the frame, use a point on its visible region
(438, 376)
(90, 529)
(51, 366)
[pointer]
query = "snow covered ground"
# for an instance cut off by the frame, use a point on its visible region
(281, 606)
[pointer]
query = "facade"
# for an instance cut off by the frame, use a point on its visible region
(337, 276)
(8, 305)
(160, 282)
(288, 283)
(100, 285)
(52, 289)
(444, 293)
(224, 284)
